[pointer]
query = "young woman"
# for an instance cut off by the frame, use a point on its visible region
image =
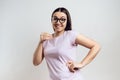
(59, 48)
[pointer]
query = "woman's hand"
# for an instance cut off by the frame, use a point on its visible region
(45, 36)
(74, 66)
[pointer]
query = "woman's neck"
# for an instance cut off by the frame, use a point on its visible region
(58, 33)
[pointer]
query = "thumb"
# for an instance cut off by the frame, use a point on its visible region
(69, 63)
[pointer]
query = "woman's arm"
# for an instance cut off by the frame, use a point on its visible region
(39, 54)
(90, 44)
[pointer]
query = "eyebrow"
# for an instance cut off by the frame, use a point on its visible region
(60, 17)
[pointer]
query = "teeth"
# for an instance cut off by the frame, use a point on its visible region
(57, 26)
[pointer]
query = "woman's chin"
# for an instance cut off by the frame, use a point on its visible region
(58, 30)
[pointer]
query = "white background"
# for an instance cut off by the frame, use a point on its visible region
(22, 21)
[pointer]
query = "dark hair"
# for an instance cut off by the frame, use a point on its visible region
(64, 10)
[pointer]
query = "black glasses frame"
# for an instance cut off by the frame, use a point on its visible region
(61, 20)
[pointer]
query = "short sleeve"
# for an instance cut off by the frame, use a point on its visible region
(72, 36)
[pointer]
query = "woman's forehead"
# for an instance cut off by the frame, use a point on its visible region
(59, 14)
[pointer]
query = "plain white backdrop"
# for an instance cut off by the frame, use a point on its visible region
(22, 21)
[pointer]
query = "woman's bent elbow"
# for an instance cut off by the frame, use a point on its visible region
(98, 47)
(36, 63)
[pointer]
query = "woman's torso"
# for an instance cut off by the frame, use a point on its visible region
(58, 51)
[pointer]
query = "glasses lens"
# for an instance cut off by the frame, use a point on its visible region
(62, 20)
(55, 19)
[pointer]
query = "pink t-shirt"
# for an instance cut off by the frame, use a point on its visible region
(58, 51)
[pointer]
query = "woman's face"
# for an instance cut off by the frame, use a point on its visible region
(59, 21)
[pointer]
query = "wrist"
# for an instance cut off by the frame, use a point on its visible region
(41, 42)
(81, 65)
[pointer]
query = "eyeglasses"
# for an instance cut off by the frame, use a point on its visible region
(61, 20)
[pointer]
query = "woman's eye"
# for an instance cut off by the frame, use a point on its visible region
(62, 19)
(55, 18)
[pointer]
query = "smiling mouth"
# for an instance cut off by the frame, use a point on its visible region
(58, 25)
